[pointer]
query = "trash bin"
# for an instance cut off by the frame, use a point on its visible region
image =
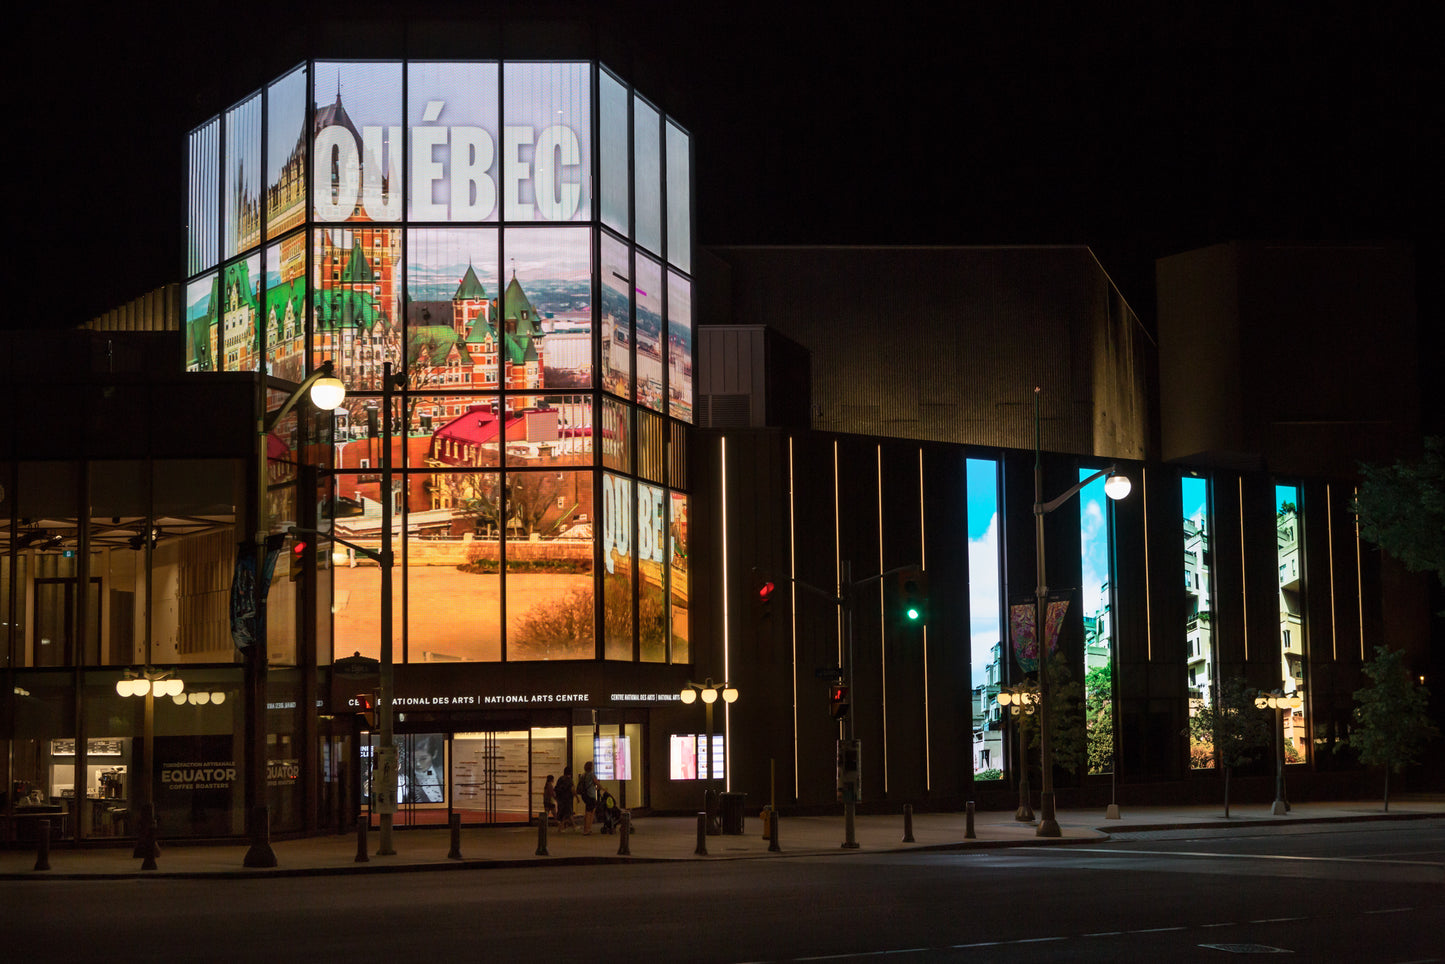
(732, 812)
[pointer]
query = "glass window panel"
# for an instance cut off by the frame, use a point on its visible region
(240, 313)
(1292, 628)
(120, 515)
(203, 323)
(647, 174)
(549, 430)
(356, 579)
(652, 590)
(546, 143)
(618, 565)
(203, 198)
(616, 435)
(285, 301)
(546, 316)
(616, 317)
(242, 189)
(550, 607)
(451, 309)
(452, 575)
(356, 158)
(194, 520)
(1094, 542)
(1201, 668)
(679, 346)
(679, 198)
(612, 131)
(648, 332)
(453, 138)
(457, 430)
(677, 578)
(356, 286)
(986, 639)
(286, 153)
(651, 446)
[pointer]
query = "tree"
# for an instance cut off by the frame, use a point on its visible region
(1068, 743)
(1099, 710)
(1391, 721)
(1401, 508)
(1233, 725)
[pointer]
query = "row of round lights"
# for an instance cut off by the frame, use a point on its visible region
(710, 694)
(1021, 702)
(1279, 701)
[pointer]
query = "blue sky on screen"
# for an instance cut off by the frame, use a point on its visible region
(983, 562)
(1194, 493)
(1285, 493)
(1093, 542)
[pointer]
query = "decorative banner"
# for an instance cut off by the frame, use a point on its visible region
(244, 605)
(1023, 629)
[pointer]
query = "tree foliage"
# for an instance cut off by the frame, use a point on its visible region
(1099, 717)
(1392, 723)
(1067, 736)
(1233, 726)
(1401, 508)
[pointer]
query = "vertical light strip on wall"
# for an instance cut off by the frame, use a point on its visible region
(1359, 580)
(1148, 599)
(1243, 582)
(837, 553)
(923, 562)
(793, 618)
(727, 719)
(1330, 549)
(882, 621)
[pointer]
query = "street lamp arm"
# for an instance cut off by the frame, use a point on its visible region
(325, 371)
(375, 555)
(1047, 507)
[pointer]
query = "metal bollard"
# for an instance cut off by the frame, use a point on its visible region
(701, 850)
(773, 847)
(624, 831)
(968, 833)
(908, 823)
(146, 841)
(42, 844)
(363, 824)
(456, 825)
(542, 835)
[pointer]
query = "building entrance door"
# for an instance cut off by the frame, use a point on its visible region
(490, 776)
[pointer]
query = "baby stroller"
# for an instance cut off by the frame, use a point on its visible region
(607, 814)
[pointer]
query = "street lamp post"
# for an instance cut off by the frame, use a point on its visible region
(1021, 700)
(709, 691)
(326, 392)
(385, 709)
(148, 683)
(1279, 701)
(1117, 487)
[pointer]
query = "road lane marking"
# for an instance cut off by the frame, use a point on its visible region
(1205, 853)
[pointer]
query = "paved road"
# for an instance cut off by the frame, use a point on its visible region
(1368, 892)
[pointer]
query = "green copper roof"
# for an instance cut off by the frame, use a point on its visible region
(346, 309)
(517, 311)
(435, 343)
(470, 289)
(358, 269)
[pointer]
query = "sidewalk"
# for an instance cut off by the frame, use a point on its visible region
(675, 838)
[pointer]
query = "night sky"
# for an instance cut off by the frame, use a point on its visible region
(1139, 129)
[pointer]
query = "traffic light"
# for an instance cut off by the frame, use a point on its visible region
(837, 700)
(913, 597)
(300, 557)
(764, 592)
(366, 706)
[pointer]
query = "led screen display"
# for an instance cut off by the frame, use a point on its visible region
(546, 144)
(647, 331)
(286, 153)
(242, 172)
(617, 564)
(452, 118)
(203, 300)
(285, 307)
(549, 579)
(357, 151)
(688, 757)
(612, 151)
(356, 290)
(203, 198)
(616, 435)
(545, 324)
(647, 175)
(545, 430)
(241, 314)
(452, 335)
(651, 571)
(616, 317)
(677, 577)
(679, 346)
(679, 198)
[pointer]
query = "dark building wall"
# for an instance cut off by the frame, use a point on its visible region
(947, 344)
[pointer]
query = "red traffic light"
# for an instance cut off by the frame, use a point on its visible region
(298, 559)
(765, 590)
(838, 701)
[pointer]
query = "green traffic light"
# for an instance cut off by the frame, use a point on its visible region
(913, 612)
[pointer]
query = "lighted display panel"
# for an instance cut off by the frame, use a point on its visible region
(513, 242)
(986, 641)
(1097, 596)
(1292, 649)
(1201, 665)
